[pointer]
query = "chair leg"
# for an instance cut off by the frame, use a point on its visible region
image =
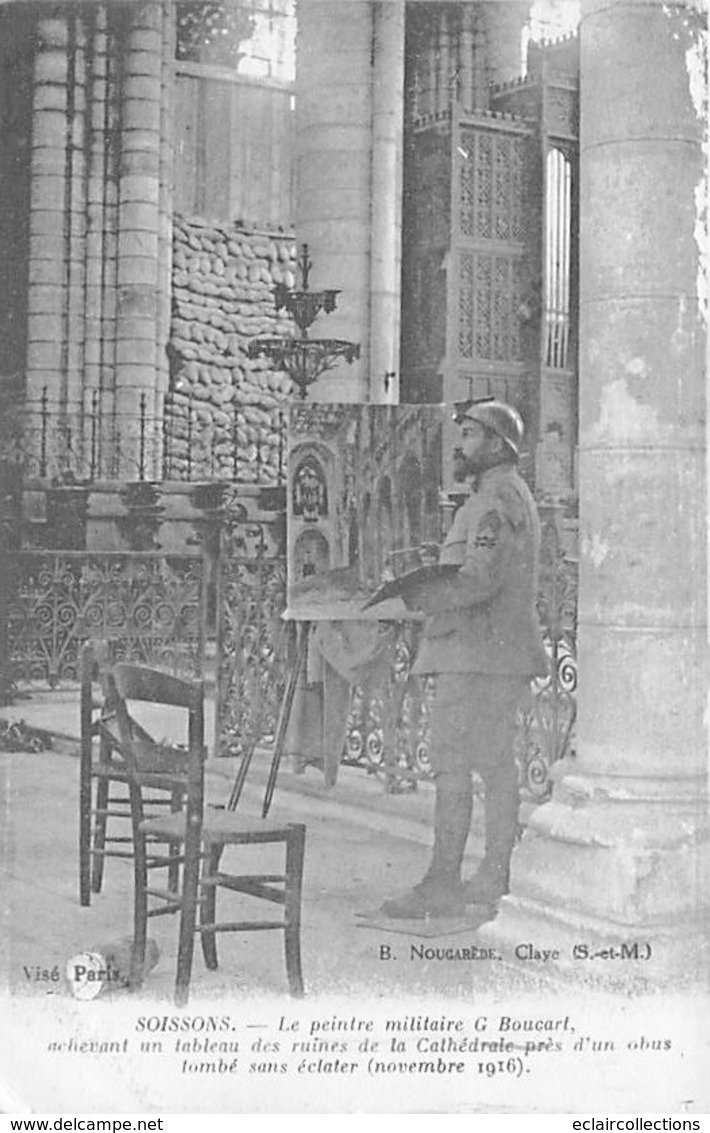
(295, 846)
(174, 867)
(84, 831)
(208, 907)
(140, 913)
(175, 847)
(188, 915)
(99, 838)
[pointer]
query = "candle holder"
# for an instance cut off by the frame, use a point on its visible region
(304, 359)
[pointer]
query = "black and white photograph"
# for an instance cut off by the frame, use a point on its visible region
(353, 557)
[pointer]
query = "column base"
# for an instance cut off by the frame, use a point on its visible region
(610, 885)
(590, 952)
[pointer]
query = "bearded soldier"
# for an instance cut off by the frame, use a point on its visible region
(482, 639)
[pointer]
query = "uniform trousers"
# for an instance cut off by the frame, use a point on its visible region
(472, 728)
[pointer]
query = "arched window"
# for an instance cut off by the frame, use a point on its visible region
(558, 239)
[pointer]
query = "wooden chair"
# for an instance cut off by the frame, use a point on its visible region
(204, 833)
(103, 778)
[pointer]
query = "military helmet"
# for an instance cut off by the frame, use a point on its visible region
(495, 415)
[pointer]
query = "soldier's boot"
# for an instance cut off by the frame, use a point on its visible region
(440, 892)
(490, 882)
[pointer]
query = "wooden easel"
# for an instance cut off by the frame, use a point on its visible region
(285, 714)
(281, 731)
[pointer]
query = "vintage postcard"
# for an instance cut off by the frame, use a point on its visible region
(353, 557)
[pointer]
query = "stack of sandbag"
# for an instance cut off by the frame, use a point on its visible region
(226, 411)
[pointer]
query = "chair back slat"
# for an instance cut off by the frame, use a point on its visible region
(145, 756)
(138, 682)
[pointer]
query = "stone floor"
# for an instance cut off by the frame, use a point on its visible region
(362, 845)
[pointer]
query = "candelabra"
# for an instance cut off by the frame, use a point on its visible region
(304, 359)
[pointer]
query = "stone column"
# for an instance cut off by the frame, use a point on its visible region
(165, 236)
(47, 267)
(76, 206)
(621, 851)
(386, 201)
(96, 155)
(58, 232)
(102, 158)
(116, 19)
(138, 219)
(334, 109)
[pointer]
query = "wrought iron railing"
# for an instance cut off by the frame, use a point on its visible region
(547, 717)
(149, 606)
(252, 639)
(387, 731)
(153, 607)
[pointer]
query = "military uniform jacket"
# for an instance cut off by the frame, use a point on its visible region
(483, 619)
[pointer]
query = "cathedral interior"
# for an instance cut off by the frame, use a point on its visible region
(219, 215)
(154, 200)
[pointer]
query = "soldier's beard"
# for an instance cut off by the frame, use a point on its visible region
(466, 467)
(462, 467)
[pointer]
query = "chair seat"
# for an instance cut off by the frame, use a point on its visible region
(218, 826)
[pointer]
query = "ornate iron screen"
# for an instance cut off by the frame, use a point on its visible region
(388, 723)
(490, 158)
(252, 642)
(470, 259)
(546, 719)
(150, 606)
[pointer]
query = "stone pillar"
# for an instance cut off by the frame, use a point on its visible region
(58, 233)
(465, 67)
(99, 247)
(46, 360)
(102, 158)
(96, 155)
(116, 19)
(472, 86)
(386, 201)
(165, 236)
(76, 230)
(621, 851)
(137, 318)
(334, 109)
